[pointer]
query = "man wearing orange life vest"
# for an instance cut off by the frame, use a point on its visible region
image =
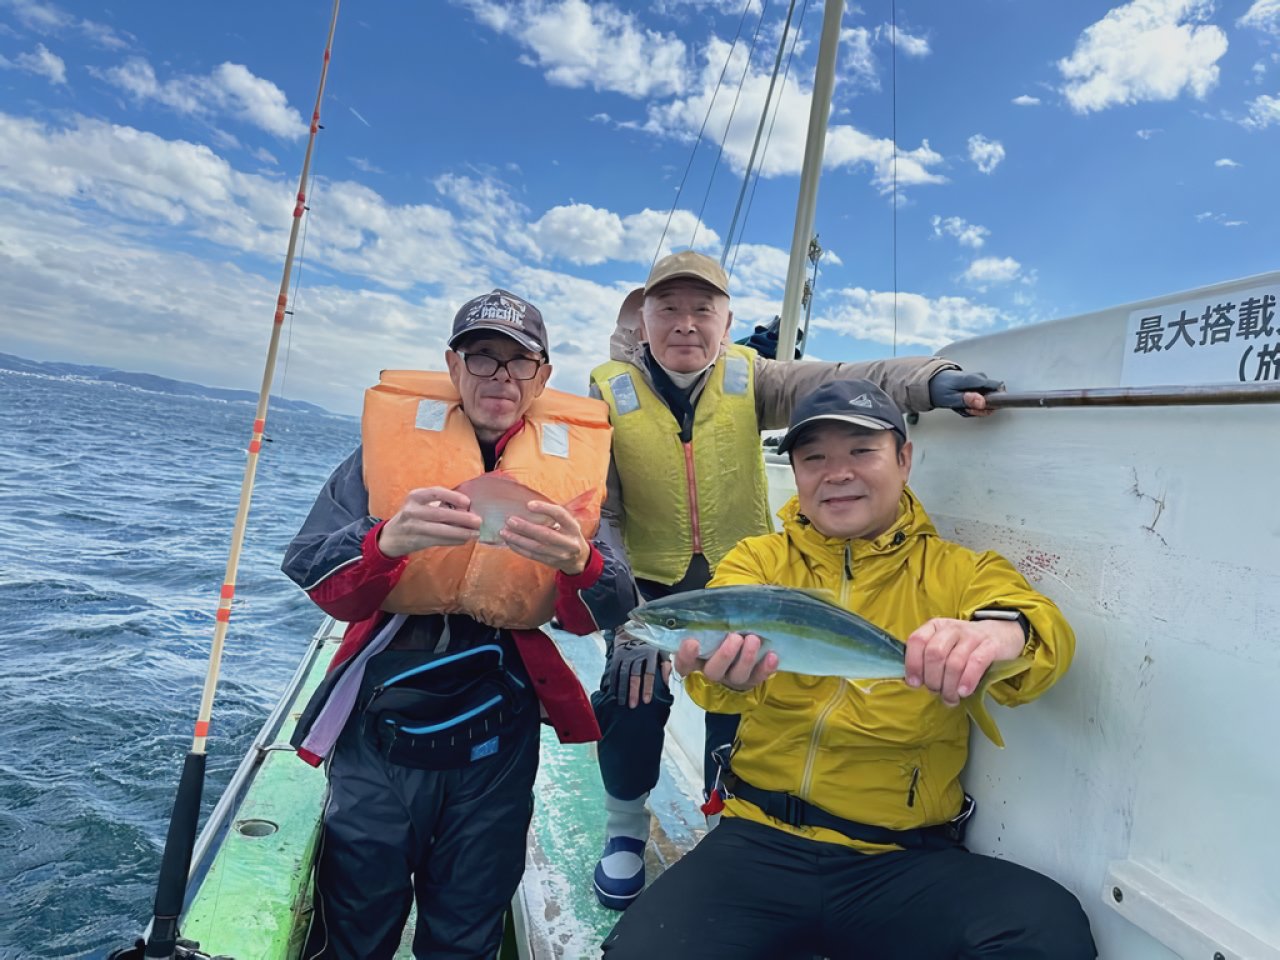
(429, 715)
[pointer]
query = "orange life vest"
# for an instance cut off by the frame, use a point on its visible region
(416, 434)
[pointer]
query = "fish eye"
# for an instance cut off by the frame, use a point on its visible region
(672, 623)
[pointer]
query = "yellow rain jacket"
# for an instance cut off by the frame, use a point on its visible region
(874, 751)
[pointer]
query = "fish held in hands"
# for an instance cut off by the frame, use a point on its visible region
(496, 497)
(807, 632)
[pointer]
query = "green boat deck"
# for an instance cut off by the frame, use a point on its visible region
(254, 900)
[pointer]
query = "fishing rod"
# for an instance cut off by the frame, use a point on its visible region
(175, 864)
(1158, 396)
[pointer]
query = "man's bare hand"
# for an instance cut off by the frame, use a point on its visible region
(733, 665)
(554, 539)
(950, 657)
(975, 404)
(429, 517)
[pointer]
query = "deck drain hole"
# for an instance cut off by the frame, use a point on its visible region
(256, 828)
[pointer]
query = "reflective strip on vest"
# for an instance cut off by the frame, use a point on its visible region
(737, 374)
(431, 415)
(555, 439)
(624, 394)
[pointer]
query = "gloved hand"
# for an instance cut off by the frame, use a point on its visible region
(631, 659)
(948, 387)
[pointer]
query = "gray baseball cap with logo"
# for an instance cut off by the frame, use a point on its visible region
(502, 312)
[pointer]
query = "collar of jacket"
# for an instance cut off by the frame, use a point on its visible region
(912, 523)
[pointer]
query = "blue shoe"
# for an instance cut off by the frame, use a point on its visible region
(619, 876)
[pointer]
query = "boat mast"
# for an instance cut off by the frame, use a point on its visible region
(815, 142)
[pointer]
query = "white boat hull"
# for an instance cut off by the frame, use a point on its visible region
(1148, 780)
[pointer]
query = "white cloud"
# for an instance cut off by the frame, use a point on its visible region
(1225, 162)
(1144, 50)
(912, 46)
(988, 270)
(260, 101)
(859, 60)
(858, 56)
(1219, 218)
(968, 234)
(41, 62)
(846, 145)
(49, 19)
(81, 289)
(230, 88)
(98, 216)
(577, 44)
(1263, 15)
(364, 166)
(601, 47)
(1026, 101)
(1263, 111)
(1147, 134)
(583, 234)
(985, 154)
(920, 320)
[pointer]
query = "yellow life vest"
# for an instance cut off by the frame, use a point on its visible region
(685, 498)
(416, 434)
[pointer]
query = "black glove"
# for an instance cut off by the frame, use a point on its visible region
(948, 387)
(629, 658)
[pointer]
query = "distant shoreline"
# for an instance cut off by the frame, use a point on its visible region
(152, 382)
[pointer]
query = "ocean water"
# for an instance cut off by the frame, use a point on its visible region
(116, 508)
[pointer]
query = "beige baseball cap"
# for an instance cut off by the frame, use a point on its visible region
(688, 263)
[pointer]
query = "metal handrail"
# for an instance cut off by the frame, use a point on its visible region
(1154, 396)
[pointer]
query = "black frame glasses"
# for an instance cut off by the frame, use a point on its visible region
(483, 365)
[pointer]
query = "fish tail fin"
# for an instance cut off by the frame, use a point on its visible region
(580, 506)
(975, 704)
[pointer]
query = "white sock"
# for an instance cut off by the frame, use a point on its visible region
(625, 818)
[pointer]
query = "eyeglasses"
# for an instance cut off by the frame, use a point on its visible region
(518, 368)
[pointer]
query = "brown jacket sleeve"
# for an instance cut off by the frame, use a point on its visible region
(780, 383)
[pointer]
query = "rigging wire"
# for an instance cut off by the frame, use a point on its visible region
(746, 8)
(755, 144)
(893, 58)
(724, 138)
(795, 40)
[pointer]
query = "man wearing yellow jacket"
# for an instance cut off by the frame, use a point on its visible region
(843, 828)
(686, 483)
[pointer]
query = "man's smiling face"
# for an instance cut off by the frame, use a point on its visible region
(849, 479)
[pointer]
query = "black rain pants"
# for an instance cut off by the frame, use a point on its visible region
(452, 839)
(751, 892)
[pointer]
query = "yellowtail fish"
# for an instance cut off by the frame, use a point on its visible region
(810, 635)
(497, 497)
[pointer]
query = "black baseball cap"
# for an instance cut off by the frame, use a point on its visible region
(858, 402)
(502, 312)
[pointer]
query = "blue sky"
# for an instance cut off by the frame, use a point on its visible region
(1053, 158)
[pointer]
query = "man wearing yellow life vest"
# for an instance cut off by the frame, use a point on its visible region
(844, 820)
(688, 482)
(429, 715)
